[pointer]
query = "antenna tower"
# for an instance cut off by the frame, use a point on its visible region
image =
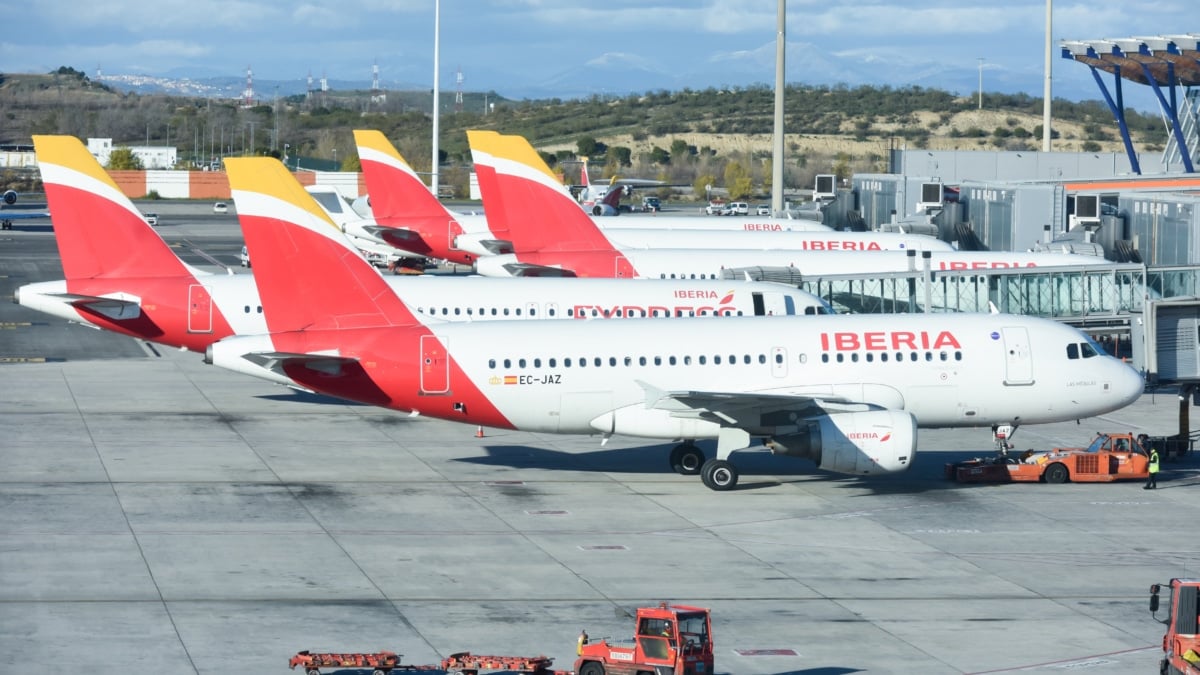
(458, 99)
(248, 95)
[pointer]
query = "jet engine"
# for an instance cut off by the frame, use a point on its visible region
(10, 197)
(860, 443)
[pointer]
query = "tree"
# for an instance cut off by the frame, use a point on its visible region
(620, 155)
(737, 180)
(681, 150)
(586, 146)
(659, 155)
(122, 159)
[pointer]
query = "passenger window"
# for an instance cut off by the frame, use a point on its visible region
(854, 357)
(870, 357)
(702, 359)
(717, 360)
(518, 311)
(566, 363)
(507, 363)
(492, 363)
(641, 360)
(825, 358)
(658, 360)
(746, 359)
(762, 358)
(944, 356)
(537, 363)
(597, 362)
(841, 358)
(521, 363)
(612, 361)
(778, 358)
(505, 311)
(550, 311)
(687, 360)
(671, 361)
(583, 363)
(883, 357)
(553, 363)
(628, 361)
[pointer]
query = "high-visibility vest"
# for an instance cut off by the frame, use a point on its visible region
(1154, 461)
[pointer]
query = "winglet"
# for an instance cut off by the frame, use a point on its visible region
(525, 200)
(308, 274)
(100, 233)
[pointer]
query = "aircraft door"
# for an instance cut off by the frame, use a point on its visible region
(779, 361)
(199, 309)
(624, 268)
(452, 232)
(772, 304)
(1018, 361)
(435, 366)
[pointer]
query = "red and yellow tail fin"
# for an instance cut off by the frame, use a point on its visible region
(395, 188)
(308, 274)
(100, 233)
(523, 197)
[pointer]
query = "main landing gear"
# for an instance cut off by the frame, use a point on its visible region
(717, 473)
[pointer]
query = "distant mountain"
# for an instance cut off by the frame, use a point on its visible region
(619, 74)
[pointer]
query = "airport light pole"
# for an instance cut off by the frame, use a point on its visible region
(1046, 88)
(777, 145)
(437, 30)
(980, 59)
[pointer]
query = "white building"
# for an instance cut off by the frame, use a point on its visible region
(152, 156)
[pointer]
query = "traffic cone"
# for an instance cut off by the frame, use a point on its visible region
(479, 432)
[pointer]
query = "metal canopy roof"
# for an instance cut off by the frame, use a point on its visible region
(1130, 54)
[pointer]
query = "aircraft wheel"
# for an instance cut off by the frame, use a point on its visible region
(1056, 473)
(686, 459)
(719, 475)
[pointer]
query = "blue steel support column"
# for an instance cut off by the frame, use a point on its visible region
(1118, 112)
(1172, 113)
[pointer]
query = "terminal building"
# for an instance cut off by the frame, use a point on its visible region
(1140, 210)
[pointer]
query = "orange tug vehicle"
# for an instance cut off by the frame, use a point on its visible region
(1109, 457)
(670, 640)
(1181, 645)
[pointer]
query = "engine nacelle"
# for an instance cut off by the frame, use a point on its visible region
(859, 443)
(10, 197)
(604, 210)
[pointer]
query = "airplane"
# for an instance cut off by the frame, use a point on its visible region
(846, 391)
(605, 200)
(7, 215)
(358, 227)
(401, 201)
(121, 276)
(411, 218)
(553, 239)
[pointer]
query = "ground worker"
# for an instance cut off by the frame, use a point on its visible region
(1152, 478)
(583, 640)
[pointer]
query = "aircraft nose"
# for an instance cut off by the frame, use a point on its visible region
(1128, 384)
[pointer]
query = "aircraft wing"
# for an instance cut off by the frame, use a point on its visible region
(734, 409)
(276, 362)
(113, 308)
(22, 215)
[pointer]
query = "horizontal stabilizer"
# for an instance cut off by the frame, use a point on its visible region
(117, 309)
(277, 362)
(531, 270)
(497, 246)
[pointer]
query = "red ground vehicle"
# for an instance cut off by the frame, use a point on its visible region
(1181, 645)
(670, 639)
(1109, 457)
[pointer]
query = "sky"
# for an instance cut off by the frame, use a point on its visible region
(568, 48)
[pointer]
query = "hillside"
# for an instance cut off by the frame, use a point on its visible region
(720, 135)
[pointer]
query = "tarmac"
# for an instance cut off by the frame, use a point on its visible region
(158, 515)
